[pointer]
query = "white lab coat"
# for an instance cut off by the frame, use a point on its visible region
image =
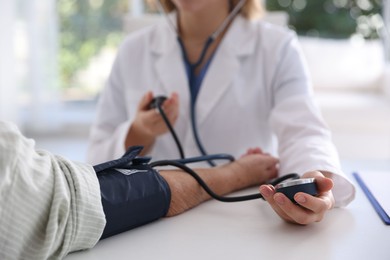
(256, 93)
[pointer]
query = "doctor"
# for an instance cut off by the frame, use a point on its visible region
(251, 89)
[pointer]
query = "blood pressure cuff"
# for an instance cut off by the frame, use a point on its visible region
(132, 192)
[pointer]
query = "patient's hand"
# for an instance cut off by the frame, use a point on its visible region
(250, 170)
(256, 167)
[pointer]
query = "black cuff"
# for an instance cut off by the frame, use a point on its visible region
(132, 195)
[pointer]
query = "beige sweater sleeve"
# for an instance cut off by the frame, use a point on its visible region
(49, 206)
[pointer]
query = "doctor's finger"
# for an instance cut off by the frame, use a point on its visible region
(171, 107)
(152, 116)
(298, 214)
(168, 114)
(158, 126)
(268, 191)
(145, 101)
(324, 184)
(154, 122)
(318, 205)
(256, 150)
(175, 98)
(172, 112)
(172, 101)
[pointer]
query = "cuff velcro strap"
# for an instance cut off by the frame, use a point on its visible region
(132, 193)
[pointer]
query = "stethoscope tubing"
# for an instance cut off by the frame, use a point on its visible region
(203, 184)
(193, 67)
(181, 163)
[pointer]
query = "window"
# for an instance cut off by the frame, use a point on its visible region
(332, 18)
(344, 40)
(90, 31)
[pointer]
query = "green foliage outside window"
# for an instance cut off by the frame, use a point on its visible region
(332, 18)
(89, 26)
(86, 26)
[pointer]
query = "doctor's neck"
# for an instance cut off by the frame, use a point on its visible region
(198, 26)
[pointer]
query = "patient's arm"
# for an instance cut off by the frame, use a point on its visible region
(250, 170)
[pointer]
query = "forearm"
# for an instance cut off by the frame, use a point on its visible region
(136, 194)
(186, 193)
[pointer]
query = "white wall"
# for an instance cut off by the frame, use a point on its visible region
(344, 64)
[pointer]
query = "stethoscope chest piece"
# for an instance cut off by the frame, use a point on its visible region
(291, 187)
(157, 102)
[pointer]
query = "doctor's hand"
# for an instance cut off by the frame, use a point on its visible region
(309, 209)
(149, 124)
(150, 120)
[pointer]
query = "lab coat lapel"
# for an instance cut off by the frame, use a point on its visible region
(216, 82)
(168, 64)
(224, 67)
(171, 73)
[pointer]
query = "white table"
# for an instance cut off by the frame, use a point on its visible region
(251, 230)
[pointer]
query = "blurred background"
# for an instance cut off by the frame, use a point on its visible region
(57, 54)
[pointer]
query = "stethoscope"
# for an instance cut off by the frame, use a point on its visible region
(288, 184)
(192, 77)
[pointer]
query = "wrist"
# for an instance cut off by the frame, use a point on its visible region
(236, 175)
(142, 131)
(137, 135)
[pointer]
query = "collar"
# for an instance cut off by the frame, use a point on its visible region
(239, 40)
